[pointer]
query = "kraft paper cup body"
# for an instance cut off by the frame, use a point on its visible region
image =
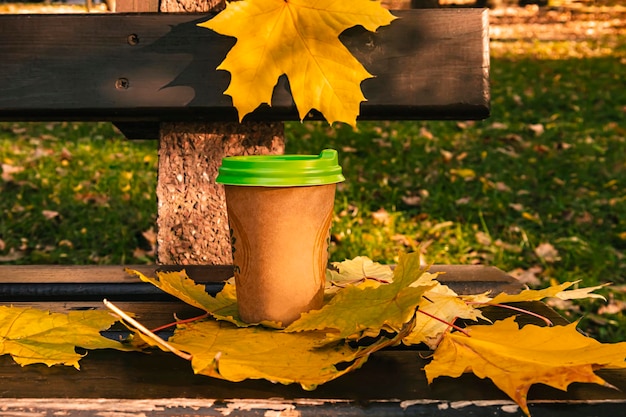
(280, 232)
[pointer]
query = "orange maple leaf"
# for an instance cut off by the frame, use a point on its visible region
(515, 359)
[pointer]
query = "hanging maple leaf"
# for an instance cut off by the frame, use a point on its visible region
(298, 38)
(34, 336)
(365, 310)
(515, 359)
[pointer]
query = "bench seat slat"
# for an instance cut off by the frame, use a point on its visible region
(396, 375)
(391, 383)
(94, 282)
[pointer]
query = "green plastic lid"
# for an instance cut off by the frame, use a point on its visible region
(281, 170)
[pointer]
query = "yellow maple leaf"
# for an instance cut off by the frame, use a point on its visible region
(223, 351)
(221, 307)
(298, 38)
(447, 306)
(178, 284)
(357, 270)
(35, 336)
(515, 359)
(363, 310)
(557, 290)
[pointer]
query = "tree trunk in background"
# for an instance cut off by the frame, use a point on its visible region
(191, 214)
(192, 223)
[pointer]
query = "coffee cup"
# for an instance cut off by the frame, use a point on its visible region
(280, 210)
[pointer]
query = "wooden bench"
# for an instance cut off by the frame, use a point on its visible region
(152, 75)
(146, 71)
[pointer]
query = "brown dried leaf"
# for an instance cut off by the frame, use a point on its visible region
(528, 276)
(547, 252)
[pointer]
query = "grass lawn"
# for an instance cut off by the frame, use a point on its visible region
(538, 189)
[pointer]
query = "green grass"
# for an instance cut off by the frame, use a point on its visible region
(84, 194)
(494, 180)
(546, 170)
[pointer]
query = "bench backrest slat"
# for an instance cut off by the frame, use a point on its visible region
(429, 64)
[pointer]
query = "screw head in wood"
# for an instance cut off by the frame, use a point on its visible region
(132, 39)
(122, 83)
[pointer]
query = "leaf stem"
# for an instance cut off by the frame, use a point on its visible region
(546, 320)
(454, 326)
(177, 322)
(145, 331)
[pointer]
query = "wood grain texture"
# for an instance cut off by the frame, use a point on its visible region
(429, 64)
(190, 6)
(390, 375)
(58, 274)
(465, 279)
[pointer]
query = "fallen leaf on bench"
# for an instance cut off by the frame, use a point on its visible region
(447, 306)
(357, 270)
(221, 350)
(363, 310)
(380, 307)
(557, 291)
(298, 38)
(33, 336)
(515, 359)
(222, 307)
(179, 285)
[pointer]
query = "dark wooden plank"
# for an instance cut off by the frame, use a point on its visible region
(158, 313)
(94, 282)
(391, 383)
(429, 64)
(151, 314)
(476, 279)
(105, 273)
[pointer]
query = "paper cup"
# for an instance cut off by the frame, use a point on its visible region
(280, 209)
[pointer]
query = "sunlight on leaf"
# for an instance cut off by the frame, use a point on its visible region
(557, 291)
(357, 270)
(34, 336)
(531, 295)
(581, 293)
(299, 38)
(223, 306)
(362, 309)
(444, 304)
(515, 359)
(223, 351)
